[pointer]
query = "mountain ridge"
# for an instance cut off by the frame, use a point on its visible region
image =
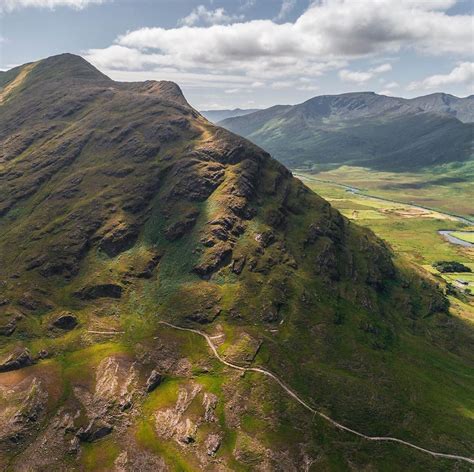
(365, 129)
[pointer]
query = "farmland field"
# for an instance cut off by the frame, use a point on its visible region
(411, 231)
(447, 188)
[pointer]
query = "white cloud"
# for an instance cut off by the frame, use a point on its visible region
(381, 69)
(281, 84)
(209, 17)
(247, 4)
(361, 77)
(354, 76)
(327, 36)
(308, 88)
(388, 93)
(285, 9)
(392, 85)
(462, 74)
(10, 5)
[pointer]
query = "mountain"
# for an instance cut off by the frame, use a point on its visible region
(122, 207)
(446, 104)
(364, 129)
(218, 115)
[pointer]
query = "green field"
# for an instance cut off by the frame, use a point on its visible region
(468, 237)
(447, 188)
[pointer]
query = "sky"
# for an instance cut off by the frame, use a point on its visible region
(255, 53)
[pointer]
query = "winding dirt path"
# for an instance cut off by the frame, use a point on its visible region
(294, 395)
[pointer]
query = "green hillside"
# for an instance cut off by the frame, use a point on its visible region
(122, 207)
(359, 129)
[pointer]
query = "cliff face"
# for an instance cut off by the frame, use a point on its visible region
(122, 206)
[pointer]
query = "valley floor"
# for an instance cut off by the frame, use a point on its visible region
(410, 230)
(446, 188)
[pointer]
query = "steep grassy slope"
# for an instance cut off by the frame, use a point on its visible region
(121, 206)
(363, 129)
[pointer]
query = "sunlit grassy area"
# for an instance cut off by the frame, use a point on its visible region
(447, 188)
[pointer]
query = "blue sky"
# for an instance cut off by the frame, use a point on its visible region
(255, 53)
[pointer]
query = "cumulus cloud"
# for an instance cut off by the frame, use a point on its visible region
(325, 37)
(462, 74)
(10, 5)
(286, 7)
(361, 77)
(209, 17)
(392, 85)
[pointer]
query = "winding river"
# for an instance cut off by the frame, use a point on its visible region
(454, 240)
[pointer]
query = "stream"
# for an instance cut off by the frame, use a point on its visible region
(453, 239)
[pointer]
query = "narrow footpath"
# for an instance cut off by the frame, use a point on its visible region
(294, 395)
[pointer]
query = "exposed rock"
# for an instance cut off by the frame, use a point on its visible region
(186, 431)
(153, 381)
(209, 403)
(204, 316)
(91, 292)
(238, 264)
(216, 258)
(65, 321)
(97, 429)
(74, 446)
(17, 360)
(32, 303)
(266, 238)
(118, 238)
(180, 228)
(9, 328)
(19, 418)
(116, 380)
(169, 423)
(213, 442)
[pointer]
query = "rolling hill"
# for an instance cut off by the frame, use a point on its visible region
(365, 130)
(122, 208)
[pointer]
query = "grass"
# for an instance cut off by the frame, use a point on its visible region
(464, 236)
(447, 188)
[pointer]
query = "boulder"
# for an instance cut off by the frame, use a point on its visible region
(153, 381)
(213, 443)
(91, 292)
(96, 430)
(16, 360)
(8, 329)
(65, 321)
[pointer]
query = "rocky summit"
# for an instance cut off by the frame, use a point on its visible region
(124, 216)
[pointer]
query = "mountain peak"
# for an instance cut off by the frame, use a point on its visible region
(68, 66)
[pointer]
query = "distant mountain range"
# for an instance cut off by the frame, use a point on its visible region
(219, 115)
(364, 129)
